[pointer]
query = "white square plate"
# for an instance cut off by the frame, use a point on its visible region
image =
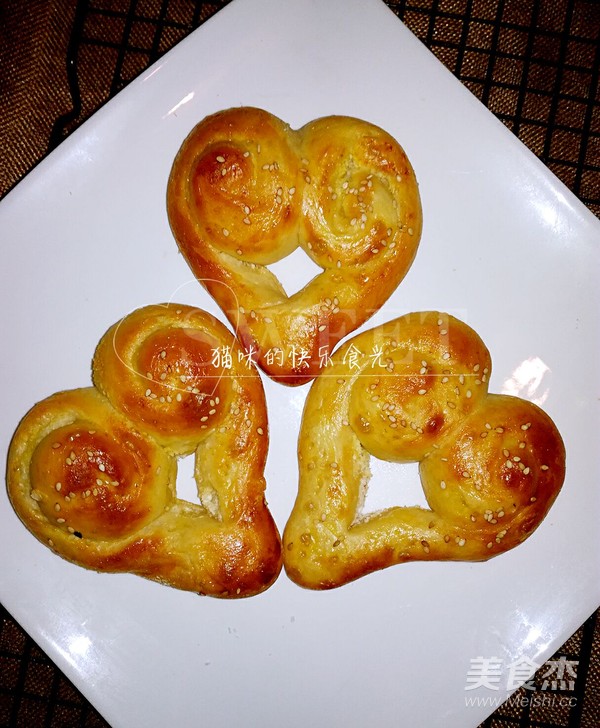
(506, 247)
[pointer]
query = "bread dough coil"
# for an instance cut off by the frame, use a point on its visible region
(416, 390)
(245, 190)
(92, 472)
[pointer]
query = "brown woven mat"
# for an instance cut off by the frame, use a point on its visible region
(535, 64)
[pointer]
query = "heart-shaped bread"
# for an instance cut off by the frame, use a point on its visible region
(415, 390)
(91, 472)
(245, 190)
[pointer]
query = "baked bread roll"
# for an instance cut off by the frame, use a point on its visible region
(92, 472)
(416, 389)
(245, 190)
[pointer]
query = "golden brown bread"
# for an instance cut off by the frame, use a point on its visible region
(91, 472)
(245, 190)
(415, 389)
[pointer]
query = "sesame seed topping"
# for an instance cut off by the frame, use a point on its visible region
(220, 159)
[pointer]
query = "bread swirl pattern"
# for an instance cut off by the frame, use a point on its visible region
(91, 472)
(416, 389)
(245, 190)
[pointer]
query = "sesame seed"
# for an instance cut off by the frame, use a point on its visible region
(260, 430)
(443, 485)
(58, 486)
(220, 159)
(545, 467)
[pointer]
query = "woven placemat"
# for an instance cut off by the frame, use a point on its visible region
(535, 64)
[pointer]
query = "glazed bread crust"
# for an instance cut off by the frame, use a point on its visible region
(92, 472)
(245, 190)
(416, 389)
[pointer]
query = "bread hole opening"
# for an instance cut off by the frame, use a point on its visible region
(187, 490)
(393, 484)
(186, 483)
(295, 271)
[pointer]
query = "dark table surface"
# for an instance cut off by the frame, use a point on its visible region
(535, 64)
